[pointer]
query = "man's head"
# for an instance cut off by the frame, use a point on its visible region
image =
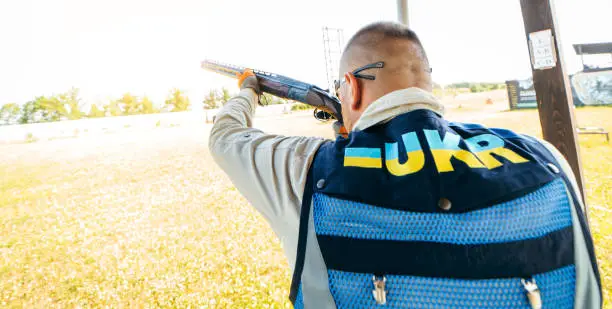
(405, 66)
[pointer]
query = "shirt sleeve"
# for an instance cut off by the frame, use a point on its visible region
(268, 170)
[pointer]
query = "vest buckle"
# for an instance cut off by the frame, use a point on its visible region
(533, 293)
(380, 295)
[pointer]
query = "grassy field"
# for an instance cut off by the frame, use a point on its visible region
(147, 220)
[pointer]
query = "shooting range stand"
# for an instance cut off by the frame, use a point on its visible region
(593, 130)
(594, 49)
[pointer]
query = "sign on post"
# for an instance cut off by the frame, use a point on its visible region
(542, 47)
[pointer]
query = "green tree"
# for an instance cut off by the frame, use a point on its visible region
(225, 95)
(30, 112)
(129, 104)
(51, 108)
(72, 104)
(95, 112)
(113, 109)
(268, 99)
(211, 100)
(147, 106)
(475, 88)
(63, 106)
(177, 101)
(9, 113)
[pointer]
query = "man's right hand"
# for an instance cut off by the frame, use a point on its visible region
(339, 130)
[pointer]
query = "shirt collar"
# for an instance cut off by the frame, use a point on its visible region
(396, 103)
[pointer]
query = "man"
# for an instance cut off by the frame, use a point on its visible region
(411, 210)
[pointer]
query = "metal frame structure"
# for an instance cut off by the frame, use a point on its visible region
(333, 42)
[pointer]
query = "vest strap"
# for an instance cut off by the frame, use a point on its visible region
(302, 236)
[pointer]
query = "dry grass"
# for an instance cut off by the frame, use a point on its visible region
(148, 220)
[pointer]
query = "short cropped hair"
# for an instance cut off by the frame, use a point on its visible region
(372, 34)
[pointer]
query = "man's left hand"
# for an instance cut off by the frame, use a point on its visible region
(248, 80)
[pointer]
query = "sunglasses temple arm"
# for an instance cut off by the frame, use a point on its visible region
(376, 65)
(363, 76)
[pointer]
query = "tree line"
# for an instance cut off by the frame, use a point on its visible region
(69, 106)
(478, 87)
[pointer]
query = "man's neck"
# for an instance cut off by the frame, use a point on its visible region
(396, 103)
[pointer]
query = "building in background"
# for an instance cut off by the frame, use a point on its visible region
(591, 86)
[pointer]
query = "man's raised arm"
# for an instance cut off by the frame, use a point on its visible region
(269, 170)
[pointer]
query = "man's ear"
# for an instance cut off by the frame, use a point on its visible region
(355, 91)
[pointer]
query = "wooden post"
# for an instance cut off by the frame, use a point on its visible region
(551, 83)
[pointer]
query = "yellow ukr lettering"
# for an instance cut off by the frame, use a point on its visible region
(486, 144)
(444, 150)
(483, 152)
(416, 158)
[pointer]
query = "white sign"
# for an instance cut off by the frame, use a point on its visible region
(542, 48)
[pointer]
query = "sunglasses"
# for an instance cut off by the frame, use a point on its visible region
(376, 65)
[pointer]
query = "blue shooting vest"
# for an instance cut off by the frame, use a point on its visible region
(422, 213)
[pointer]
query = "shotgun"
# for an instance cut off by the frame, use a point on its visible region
(326, 105)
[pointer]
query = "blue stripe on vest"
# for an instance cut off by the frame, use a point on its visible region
(531, 216)
(352, 290)
(362, 152)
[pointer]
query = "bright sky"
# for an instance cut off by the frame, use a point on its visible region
(106, 48)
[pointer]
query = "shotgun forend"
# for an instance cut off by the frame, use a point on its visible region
(326, 106)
